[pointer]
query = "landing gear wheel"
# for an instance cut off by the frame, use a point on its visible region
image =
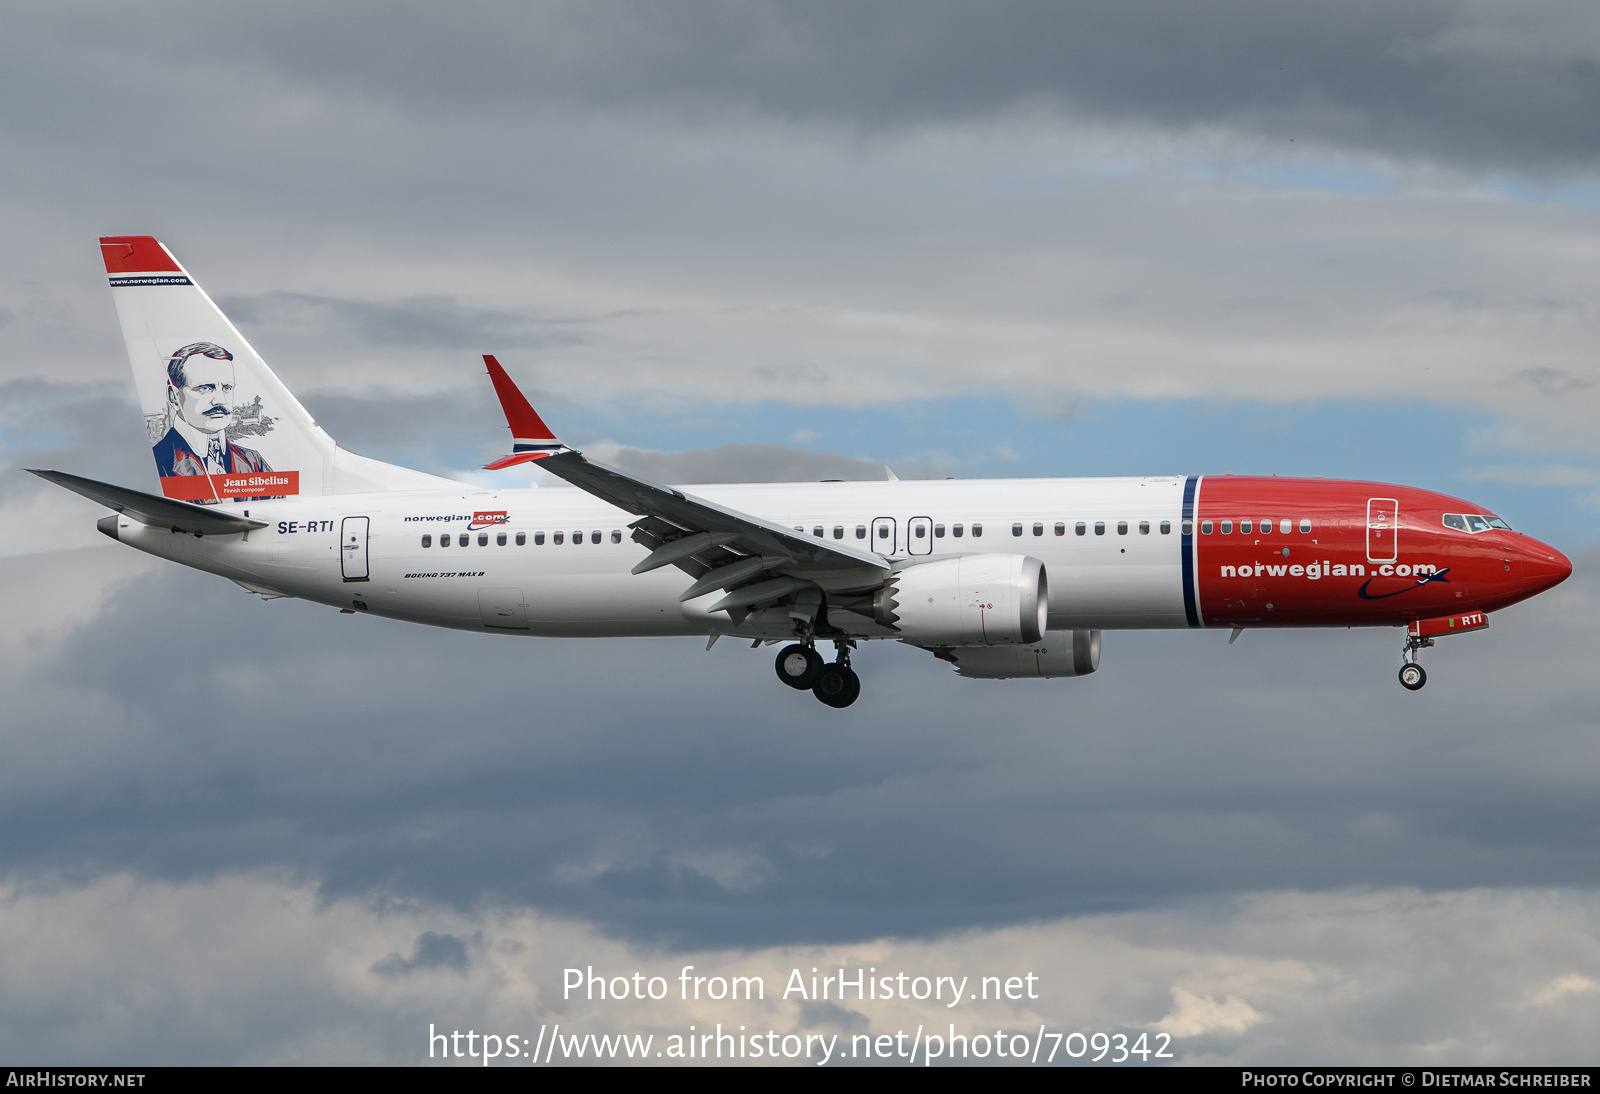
(799, 666)
(1412, 677)
(838, 685)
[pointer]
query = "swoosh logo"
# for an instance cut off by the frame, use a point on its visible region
(1424, 580)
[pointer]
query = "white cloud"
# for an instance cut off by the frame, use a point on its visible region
(1193, 1015)
(250, 968)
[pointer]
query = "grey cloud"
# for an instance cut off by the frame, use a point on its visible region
(431, 951)
(1458, 82)
(174, 726)
(428, 321)
(748, 463)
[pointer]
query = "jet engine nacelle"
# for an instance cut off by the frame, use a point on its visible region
(1059, 653)
(974, 600)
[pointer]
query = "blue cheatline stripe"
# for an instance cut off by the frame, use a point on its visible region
(1189, 608)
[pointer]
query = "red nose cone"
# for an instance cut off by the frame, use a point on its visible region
(1543, 567)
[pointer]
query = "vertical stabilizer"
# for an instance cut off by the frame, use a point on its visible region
(221, 425)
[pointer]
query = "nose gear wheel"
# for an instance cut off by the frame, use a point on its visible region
(1412, 676)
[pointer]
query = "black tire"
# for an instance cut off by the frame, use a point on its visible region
(1412, 677)
(810, 664)
(838, 686)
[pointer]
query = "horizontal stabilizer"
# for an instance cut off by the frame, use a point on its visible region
(155, 511)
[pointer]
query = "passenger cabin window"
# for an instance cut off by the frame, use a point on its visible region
(1286, 526)
(1244, 527)
(861, 531)
(1187, 527)
(483, 539)
(577, 537)
(558, 539)
(922, 531)
(938, 531)
(1205, 528)
(1266, 527)
(1016, 529)
(522, 539)
(616, 535)
(500, 539)
(1305, 526)
(883, 531)
(838, 531)
(461, 540)
(1122, 527)
(1166, 527)
(1061, 529)
(1227, 527)
(1038, 529)
(977, 530)
(538, 539)
(427, 541)
(1099, 527)
(817, 531)
(1144, 528)
(955, 530)
(444, 541)
(596, 536)
(1080, 528)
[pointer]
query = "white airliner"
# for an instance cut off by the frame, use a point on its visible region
(1002, 578)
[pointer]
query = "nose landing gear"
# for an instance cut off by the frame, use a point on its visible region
(1412, 676)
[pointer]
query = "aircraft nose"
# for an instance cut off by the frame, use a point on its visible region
(1543, 567)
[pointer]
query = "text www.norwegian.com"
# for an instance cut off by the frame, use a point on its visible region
(921, 1047)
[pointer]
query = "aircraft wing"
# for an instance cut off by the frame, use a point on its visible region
(721, 547)
(180, 516)
(753, 534)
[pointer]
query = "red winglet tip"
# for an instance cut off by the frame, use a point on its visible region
(514, 459)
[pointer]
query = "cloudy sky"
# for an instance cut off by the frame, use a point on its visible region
(755, 241)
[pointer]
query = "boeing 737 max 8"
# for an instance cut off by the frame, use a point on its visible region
(1001, 578)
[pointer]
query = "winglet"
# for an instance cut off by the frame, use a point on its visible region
(531, 439)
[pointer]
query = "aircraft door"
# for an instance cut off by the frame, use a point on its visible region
(919, 536)
(883, 535)
(1383, 526)
(353, 548)
(502, 609)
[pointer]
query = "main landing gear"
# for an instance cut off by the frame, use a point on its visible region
(1411, 675)
(801, 667)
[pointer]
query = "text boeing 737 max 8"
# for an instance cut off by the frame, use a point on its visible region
(1002, 578)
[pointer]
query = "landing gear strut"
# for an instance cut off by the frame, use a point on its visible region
(1411, 675)
(838, 685)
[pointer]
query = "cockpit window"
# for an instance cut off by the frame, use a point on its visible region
(1474, 522)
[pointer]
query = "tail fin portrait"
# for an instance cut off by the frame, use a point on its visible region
(221, 425)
